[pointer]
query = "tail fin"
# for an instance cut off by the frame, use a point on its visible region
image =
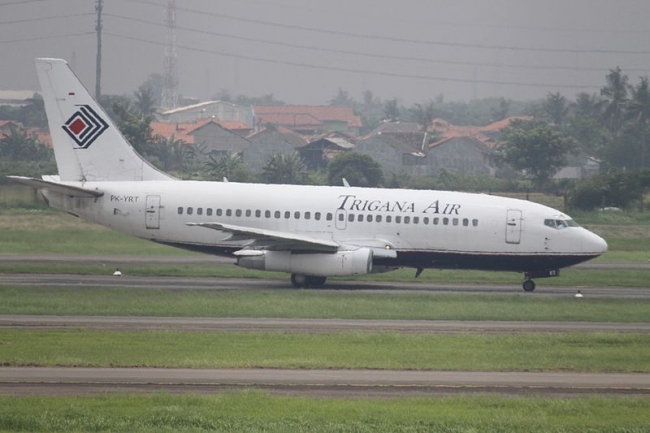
(87, 145)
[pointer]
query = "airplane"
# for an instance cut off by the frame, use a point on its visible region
(309, 232)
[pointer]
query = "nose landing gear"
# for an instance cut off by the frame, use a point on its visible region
(529, 284)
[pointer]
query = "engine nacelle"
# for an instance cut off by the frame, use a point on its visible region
(341, 263)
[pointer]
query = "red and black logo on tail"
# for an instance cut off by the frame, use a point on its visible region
(85, 126)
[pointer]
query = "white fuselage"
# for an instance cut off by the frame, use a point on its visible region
(425, 228)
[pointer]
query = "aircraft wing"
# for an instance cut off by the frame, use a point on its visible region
(271, 238)
(71, 190)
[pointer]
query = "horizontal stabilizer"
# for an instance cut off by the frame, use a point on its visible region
(272, 235)
(70, 190)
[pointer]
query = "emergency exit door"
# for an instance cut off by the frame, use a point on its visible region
(513, 226)
(152, 212)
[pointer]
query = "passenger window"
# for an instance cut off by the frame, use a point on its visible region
(317, 216)
(180, 211)
(208, 211)
(465, 222)
(190, 211)
(287, 215)
(329, 216)
(407, 220)
(267, 213)
(360, 218)
(199, 211)
(258, 213)
(296, 215)
(436, 220)
(341, 217)
(475, 223)
(277, 214)
(425, 220)
(219, 212)
(416, 220)
(378, 219)
(369, 218)
(228, 212)
(238, 212)
(350, 217)
(445, 221)
(455, 221)
(389, 218)
(398, 219)
(248, 212)
(307, 215)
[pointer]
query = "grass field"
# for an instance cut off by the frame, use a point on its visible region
(257, 412)
(576, 352)
(325, 304)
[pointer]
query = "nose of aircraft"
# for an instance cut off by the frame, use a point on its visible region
(595, 244)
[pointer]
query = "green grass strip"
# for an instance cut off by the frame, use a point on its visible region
(325, 304)
(579, 352)
(257, 412)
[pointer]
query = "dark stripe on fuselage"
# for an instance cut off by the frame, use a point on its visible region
(441, 260)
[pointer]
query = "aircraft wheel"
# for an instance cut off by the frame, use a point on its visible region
(313, 281)
(529, 285)
(298, 281)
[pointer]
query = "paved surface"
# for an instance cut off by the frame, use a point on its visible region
(199, 283)
(113, 323)
(25, 381)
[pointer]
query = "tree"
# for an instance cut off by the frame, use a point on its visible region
(391, 110)
(135, 126)
(145, 102)
(285, 169)
(358, 169)
(18, 145)
(556, 108)
(615, 99)
(500, 112)
(535, 148)
(343, 99)
(638, 111)
(424, 115)
(230, 165)
(172, 154)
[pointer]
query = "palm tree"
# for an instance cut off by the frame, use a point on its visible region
(287, 169)
(615, 94)
(173, 154)
(224, 165)
(145, 101)
(556, 108)
(638, 111)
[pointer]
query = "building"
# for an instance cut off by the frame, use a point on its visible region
(308, 120)
(215, 110)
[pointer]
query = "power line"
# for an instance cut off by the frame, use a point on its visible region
(21, 2)
(40, 38)
(361, 71)
(372, 55)
(399, 40)
(30, 20)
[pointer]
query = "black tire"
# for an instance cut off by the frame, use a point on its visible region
(313, 281)
(529, 285)
(298, 281)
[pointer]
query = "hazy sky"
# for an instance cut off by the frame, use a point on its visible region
(303, 51)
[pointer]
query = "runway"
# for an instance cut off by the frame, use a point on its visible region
(310, 326)
(58, 381)
(369, 287)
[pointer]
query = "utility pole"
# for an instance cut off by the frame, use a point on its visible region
(98, 67)
(170, 73)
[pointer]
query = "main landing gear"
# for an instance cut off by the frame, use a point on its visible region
(300, 281)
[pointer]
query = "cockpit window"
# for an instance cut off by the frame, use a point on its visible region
(560, 224)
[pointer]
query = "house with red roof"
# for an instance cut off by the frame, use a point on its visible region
(309, 120)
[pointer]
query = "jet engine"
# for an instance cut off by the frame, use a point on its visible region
(340, 263)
